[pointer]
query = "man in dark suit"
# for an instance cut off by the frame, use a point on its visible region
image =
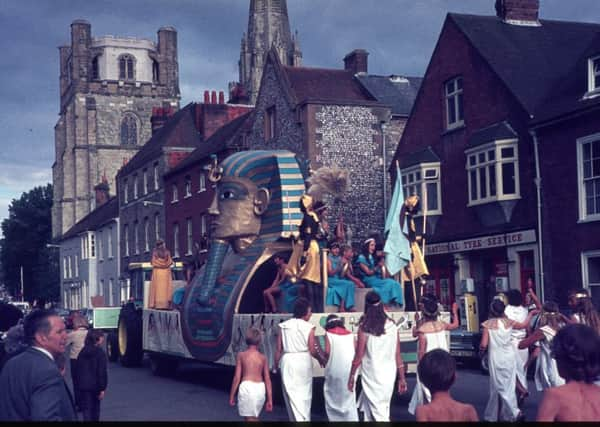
(33, 388)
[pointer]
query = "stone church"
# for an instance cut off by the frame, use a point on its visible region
(268, 26)
(108, 87)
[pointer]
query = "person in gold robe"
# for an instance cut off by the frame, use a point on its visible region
(417, 268)
(161, 286)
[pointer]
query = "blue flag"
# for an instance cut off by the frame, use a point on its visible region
(397, 246)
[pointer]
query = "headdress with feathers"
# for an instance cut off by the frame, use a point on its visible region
(329, 180)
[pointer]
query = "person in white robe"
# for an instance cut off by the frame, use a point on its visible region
(378, 351)
(340, 403)
(516, 311)
(295, 349)
(502, 403)
(432, 334)
(546, 371)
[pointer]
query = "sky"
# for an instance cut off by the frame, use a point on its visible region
(398, 34)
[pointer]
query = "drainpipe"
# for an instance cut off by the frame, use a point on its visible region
(385, 201)
(538, 187)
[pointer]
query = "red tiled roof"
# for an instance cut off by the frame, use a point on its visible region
(325, 85)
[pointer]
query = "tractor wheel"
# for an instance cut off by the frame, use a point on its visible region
(112, 347)
(130, 336)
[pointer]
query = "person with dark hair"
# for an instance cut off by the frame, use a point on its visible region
(550, 322)
(432, 334)
(340, 291)
(32, 388)
(92, 373)
(281, 284)
(160, 295)
(515, 310)
(576, 349)
(340, 404)
(437, 371)
(9, 316)
(502, 403)
(388, 289)
(75, 343)
(251, 380)
(14, 343)
(378, 351)
(295, 345)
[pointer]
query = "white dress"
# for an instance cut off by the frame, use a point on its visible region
(503, 377)
(421, 394)
(296, 368)
(519, 314)
(378, 374)
(340, 403)
(546, 372)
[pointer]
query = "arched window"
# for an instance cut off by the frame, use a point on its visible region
(129, 131)
(95, 69)
(126, 70)
(155, 73)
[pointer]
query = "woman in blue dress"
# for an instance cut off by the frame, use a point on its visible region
(388, 289)
(283, 285)
(340, 292)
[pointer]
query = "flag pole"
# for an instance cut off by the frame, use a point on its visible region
(412, 281)
(424, 217)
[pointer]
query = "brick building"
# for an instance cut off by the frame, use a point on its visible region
(469, 143)
(141, 189)
(335, 117)
(108, 87)
(190, 193)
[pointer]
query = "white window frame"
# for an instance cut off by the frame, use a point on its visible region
(136, 239)
(135, 187)
(585, 276)
(592, 74)
(190, 236)
(65, 271)
(174, 194)
(76, 266)
(92, 240)
(581, 194)
(497, 162)
(100, 246)
(109, 243)
(157, 226)
(202, 183)
(70, 264)
(146, 235)
(155, 176)
(176, 240)
(145, 182)
(188, 187)
(126, 239)
(413, 177)
(456, 97)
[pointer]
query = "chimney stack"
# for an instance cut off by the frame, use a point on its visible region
(160, 115)
(213, 97)
(519, 12)
(206, 97)
(102, 191)
(356, 61)
(221, 97)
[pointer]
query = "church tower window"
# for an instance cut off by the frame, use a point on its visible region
(155, 72)
(95, 69)
(129, 131)
(126, 67)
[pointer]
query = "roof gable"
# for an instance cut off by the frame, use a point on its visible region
(495, 132)
(396, 91)
(529, 60)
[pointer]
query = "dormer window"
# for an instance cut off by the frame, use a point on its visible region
(594, 74)
(424, 180)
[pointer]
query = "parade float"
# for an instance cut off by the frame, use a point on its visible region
(256, 215)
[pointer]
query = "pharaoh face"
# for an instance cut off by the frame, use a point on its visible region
(237, 207)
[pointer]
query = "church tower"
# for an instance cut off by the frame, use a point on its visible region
(108, 87)
(268, 25)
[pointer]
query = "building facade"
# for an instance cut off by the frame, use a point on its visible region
(468, 150)
(108, 88)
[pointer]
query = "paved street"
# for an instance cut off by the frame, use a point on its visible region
(200, 393)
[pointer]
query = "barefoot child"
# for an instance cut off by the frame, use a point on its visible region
(252, 368)
(437, 371)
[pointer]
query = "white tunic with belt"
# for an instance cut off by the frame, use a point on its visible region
(296, 368)
(340, 403)
(378, 374)
(546, 372)
(421, 394)
(519, 314)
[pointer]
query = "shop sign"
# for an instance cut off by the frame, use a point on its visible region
(479, 243)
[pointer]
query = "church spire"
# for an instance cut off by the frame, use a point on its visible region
(268, 24)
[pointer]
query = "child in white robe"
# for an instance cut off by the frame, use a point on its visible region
(502, 403)
(251, 380)
(431, 335)
(340, 403)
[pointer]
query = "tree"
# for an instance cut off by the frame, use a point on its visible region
(27, 230)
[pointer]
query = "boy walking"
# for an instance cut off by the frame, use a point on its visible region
(252, 369)
(437, 371)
